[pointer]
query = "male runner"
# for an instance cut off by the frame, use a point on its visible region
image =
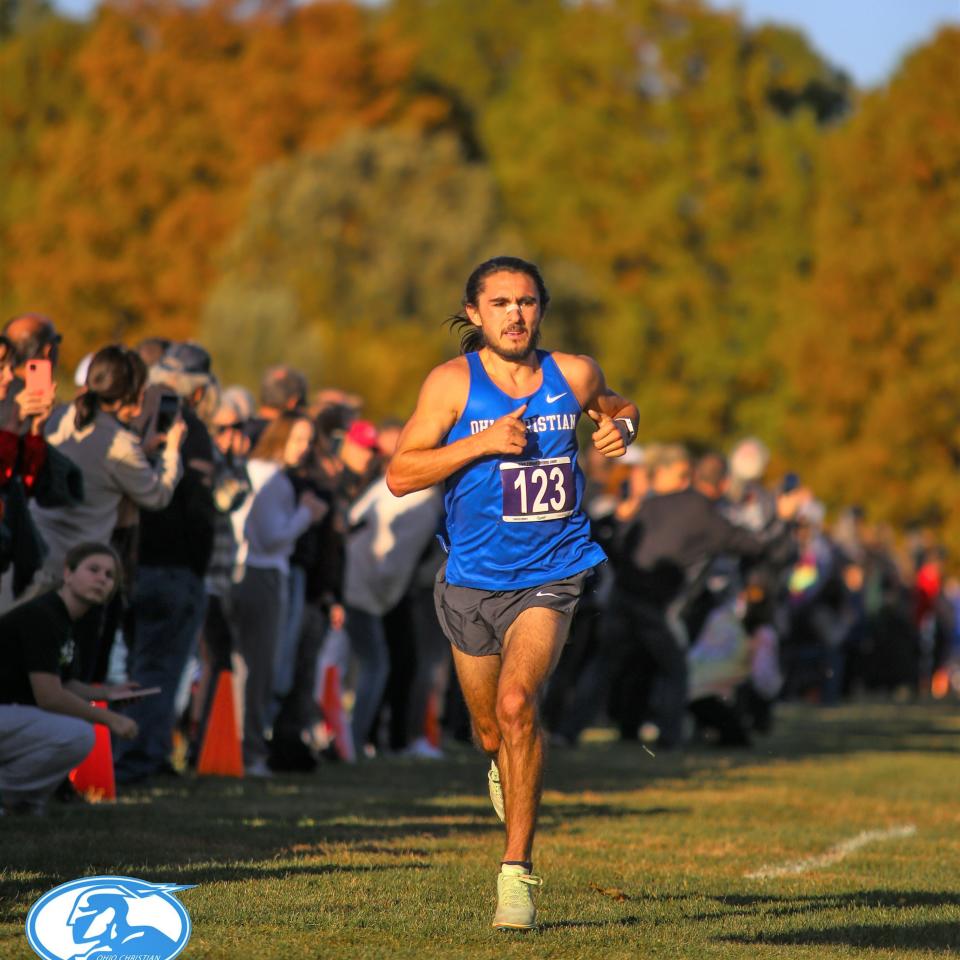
(499, 426)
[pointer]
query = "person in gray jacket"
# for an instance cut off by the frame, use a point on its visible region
(93, 434)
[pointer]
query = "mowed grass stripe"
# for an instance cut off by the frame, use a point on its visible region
(642, 856)
(835, 854)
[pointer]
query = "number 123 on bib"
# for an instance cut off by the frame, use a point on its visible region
(537, 490)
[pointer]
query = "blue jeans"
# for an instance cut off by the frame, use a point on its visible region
(168, 609)
(369, 646)
(285, 658)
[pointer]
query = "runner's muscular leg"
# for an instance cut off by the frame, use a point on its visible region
(478, 678)
(531, 650)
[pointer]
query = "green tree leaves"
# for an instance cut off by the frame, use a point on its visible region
(874, 365)
(346, 264)
(744, 244)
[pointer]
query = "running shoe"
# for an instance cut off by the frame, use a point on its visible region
(496, 793)
(515, 909)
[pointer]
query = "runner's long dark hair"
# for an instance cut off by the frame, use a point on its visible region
(471, 336)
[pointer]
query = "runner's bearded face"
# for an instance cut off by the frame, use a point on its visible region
(508, 313)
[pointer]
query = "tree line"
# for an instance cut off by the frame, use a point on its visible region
(747, 242)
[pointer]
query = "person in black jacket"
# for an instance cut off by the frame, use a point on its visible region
(168, 601)
(660, 559)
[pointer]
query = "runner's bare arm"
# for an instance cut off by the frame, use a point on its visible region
(420, 461)
(615, 416)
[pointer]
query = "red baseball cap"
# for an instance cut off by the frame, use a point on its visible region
(364, 434)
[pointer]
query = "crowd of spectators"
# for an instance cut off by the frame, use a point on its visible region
(727, 591)
(259, 537)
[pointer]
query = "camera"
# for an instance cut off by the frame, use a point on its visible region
(168, 409)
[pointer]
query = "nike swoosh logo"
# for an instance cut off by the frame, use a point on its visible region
(555, 595)
(554, 400)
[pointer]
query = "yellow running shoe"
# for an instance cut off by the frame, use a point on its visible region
(515, 909)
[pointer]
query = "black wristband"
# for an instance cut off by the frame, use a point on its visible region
(631, 429)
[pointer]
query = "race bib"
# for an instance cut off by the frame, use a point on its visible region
(537, 490)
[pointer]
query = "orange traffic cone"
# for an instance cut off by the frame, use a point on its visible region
(221, 753)
(94, 776)
(332, 707)
(431, 721)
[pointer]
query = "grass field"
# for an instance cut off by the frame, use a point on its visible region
(642, 856)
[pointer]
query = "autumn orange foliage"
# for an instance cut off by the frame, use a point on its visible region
(182, 104)
(744, 241)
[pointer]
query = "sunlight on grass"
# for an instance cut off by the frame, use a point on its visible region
(642, 857)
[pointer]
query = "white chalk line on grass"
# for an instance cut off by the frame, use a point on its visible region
(835, 854)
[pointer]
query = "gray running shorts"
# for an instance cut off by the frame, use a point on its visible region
(476, 621)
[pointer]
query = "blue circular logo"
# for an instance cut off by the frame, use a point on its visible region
(120, 917)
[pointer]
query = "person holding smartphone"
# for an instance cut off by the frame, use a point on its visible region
(23, 450)
(167, 598)
(23, 457)
(32, 343)
(93, 434)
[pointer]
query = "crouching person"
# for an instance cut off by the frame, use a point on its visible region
(46, 719)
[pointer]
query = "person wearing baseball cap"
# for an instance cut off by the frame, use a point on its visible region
(176, 543)
(358, 451)
(363, 434)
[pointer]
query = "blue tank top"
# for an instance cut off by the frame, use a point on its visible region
(514, 522)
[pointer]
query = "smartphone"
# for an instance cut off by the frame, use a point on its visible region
(168, 409)
(136, 694)
(39, 376)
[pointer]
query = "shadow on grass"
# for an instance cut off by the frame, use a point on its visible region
(213, 829)
(630, 921)
(861, 899)
(925, 936)
(16, 896)
(899, 934)
(384, 851)
(13, 890)
(559, 810)
(239, 873)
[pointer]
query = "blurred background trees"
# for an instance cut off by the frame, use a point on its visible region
(344, 263)
(873, 388)
(747, 243)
